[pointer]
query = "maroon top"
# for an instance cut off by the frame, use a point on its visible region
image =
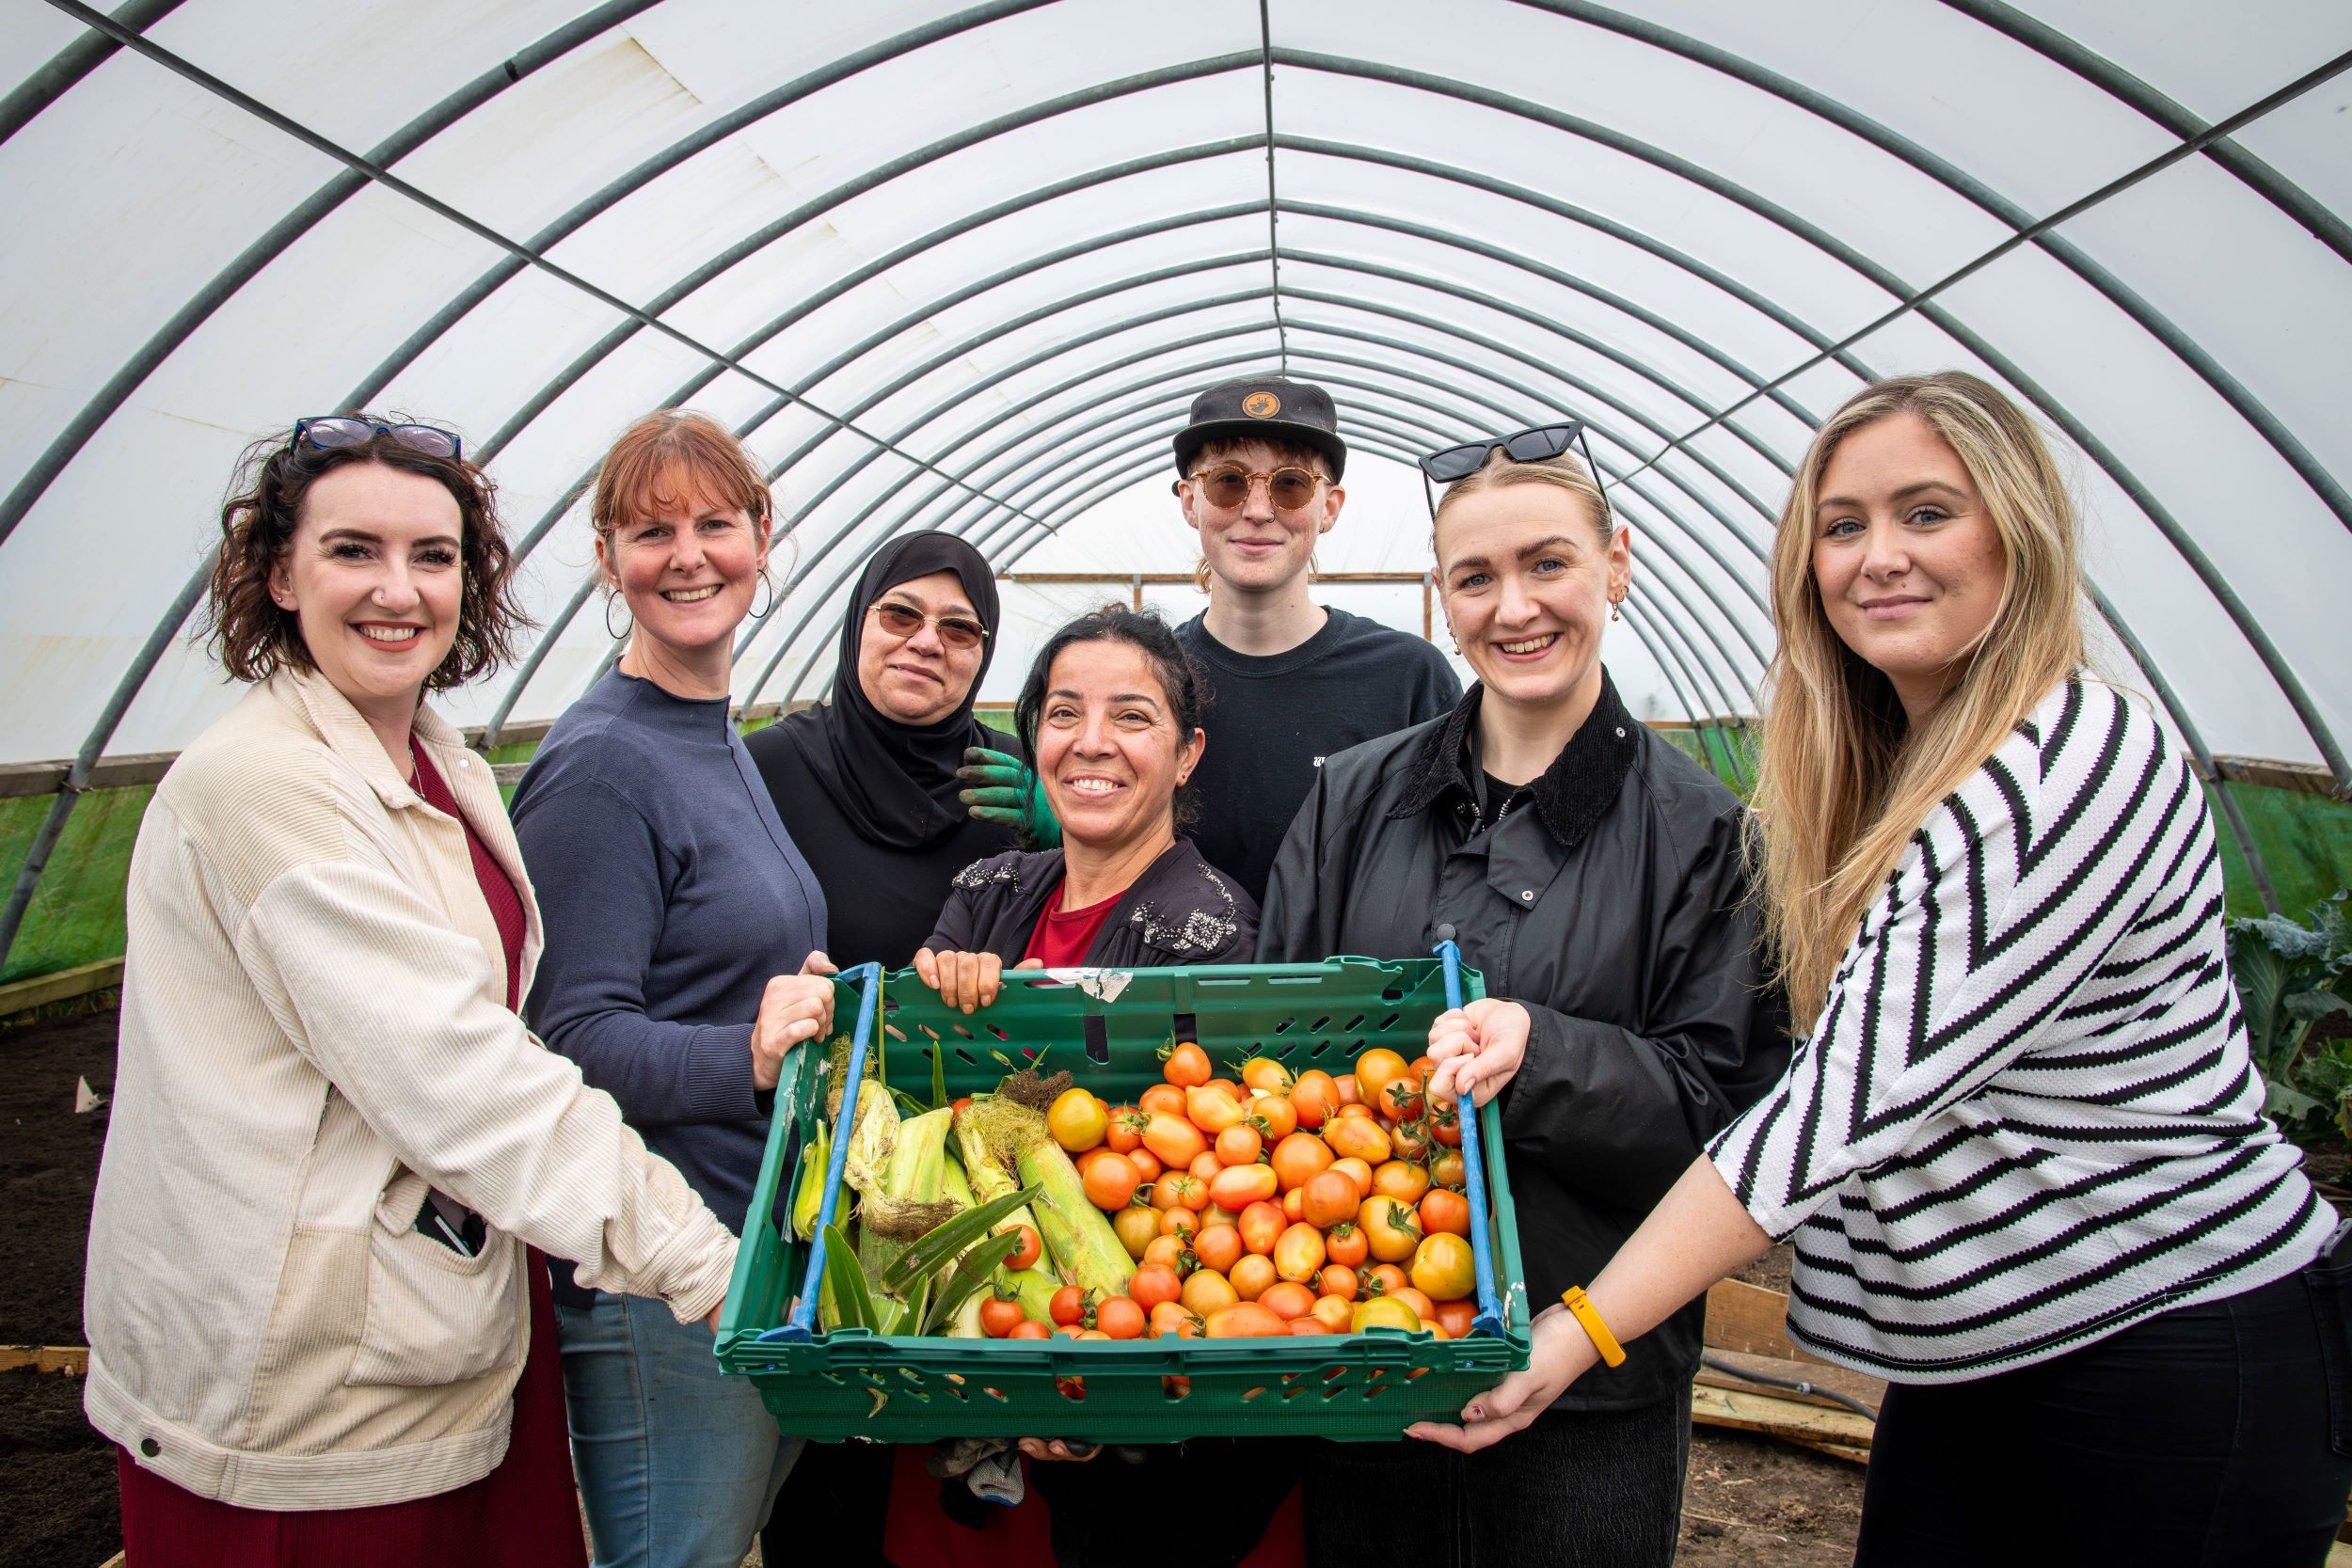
(1061, 938)
(523, 1514)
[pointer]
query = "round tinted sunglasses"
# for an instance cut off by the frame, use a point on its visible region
(1536, 444)
(954, 630)
(327, 432)
(1229, 485)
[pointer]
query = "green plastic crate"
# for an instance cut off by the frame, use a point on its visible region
(1106, 1029)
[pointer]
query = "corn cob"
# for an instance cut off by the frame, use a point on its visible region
(1086, 1250)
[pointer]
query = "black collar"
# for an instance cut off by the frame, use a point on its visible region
(1570, 795)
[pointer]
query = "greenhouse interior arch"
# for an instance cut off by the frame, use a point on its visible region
(966, 270)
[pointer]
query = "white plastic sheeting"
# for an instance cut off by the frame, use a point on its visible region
(964, 269)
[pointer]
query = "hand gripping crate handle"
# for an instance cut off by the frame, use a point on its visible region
(1489, 1319)
(805, 1310)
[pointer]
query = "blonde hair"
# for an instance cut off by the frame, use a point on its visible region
(1501, 469)
(1842, 783)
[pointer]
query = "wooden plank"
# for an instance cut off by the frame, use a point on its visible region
(115, 772)
(62, 985)
(1751, 1319)
(1778, 1418)
(72, 1360)
(1826, 1380)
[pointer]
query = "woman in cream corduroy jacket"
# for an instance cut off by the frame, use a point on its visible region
(313, 1037)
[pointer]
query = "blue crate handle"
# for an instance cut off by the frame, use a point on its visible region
(804, 1313)
(1489, 1317)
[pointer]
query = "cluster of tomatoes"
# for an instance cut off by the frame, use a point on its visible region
(1264, 1205)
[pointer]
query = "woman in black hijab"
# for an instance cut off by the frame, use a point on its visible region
(867, 782)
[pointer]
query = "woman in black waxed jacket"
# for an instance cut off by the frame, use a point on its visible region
(1594, 876)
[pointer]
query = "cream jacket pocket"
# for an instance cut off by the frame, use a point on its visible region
(433, 1316)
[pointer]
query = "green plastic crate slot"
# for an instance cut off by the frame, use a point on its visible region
(1107, 1030)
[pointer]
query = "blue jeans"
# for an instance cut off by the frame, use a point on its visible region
(678, 1463)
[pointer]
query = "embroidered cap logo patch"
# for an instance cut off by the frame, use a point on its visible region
(1261, 405)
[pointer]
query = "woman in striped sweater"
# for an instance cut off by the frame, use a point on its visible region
(2023, 1152)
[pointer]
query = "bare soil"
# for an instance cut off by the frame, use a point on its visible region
(1749, 1499)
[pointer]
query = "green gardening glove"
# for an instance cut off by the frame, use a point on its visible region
(1002, 791)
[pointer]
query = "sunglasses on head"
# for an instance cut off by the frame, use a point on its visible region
(1536, 444)
(1228, 486)
(900, 620)
(327, 431)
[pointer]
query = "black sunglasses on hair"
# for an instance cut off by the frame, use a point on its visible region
(327, 432)
(1536, 444)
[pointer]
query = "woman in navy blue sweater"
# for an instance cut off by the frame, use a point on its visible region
(683, 937)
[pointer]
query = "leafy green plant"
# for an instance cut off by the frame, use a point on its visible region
(2291, 977)
(904, 1299)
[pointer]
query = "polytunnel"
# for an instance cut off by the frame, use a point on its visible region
(964, 269)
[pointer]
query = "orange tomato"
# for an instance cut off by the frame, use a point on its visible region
(1344, 1242)
(1084, 1162)
(1314, 1098)
(1445, 1128)
(1266, 1074)
(1442, 1208)
(999, 1318)
(1211, 1109)
(1345, 1085)
(1449, 1170)
(1444, 1268)
(1376, 1070)
(1246, 1321)
(1120, 1318)
(1206, 1164)
(1381, 1312)
(1329, 1198)
(1154, 1284)
(1299, 1159)
(1218, 1247)
(1147, 1164)
(1401, 1099)
(1239, 1145)
(1352, 1138)
(1418, 1299)
(1073, 1307)
(1251, 1275)
(1212, 1214)
(1029, 1328)
(1170, 1317)
(1338, 1279)
(1134, 1226)
(1272, 1115)
(1206, 1291)
(1298, 1256)
(1111, 1181)
(1165, 1099)
(1184, 1064)
(1307, 1326)
(1125, 1132)
(1358, 1108)
(1457, 1316)
(1171, 1253)
(1236, 1187)
(1391, 1229)
(1332, 1314)
(1179, 1189)
(1231, 1088)
(1261, 1226)
(1390, 1276)
(1358, 1171)
(1400, 1181)
(1295, 1205)
(1410, 1139)
(1287, 1299)
(1179, 1222)
(1176, 1141)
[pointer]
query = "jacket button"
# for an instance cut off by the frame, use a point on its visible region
(1528, 896)
(148, 1447)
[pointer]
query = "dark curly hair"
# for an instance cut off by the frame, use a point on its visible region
(1187, 688)
(253, 636)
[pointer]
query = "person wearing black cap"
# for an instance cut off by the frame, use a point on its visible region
(1259, 466)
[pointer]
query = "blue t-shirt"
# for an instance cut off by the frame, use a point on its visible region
(671, 894)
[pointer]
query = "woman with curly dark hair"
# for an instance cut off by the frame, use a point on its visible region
(320, 1327)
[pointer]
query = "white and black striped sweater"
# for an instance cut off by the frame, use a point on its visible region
(2027, 1116)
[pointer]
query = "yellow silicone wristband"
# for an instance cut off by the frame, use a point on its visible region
(1611, 1352)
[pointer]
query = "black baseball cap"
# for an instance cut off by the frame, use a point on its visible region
(1265, 408)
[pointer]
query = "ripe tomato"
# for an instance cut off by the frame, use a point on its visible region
(1449, 1170)
(1273, 1115)
(1358, 1138)
(1171, 1253)
(1236, 1187)
(1110, 1181)
(1147, 1163)
(1261, 1226)
(1332, 1314)
(1124, 1131)
(1401, 1096)
(1383, 1312)
(1376, 1070)
(1179, 1222)
(1175, 1140)
(1338, 1279)
(1391, 1229)
(1179, 1189)
(1029, 1328)
(1165, 1099)
(1327, 1199)
(1287, 1299)
(1299, 1159)
(1345, 1243)
(1445, 1128)
(1074, 1308)
(1315, 1097)
(1445, 1210)
(1232, 1089)
(1154, 1283)
(1266, 1074)
(1211, 1109)
(1218, 1247)
(1444, 1267)
(1345, 1084)
(1410, 1139)
(1307, 1326)
(999, 1316)
(1212, 1214)
(1358, 1171)
(1418, 1299)
(1250, 1274)
(1184, 1064)
(1031, 1244)
(1207, 1165)
(1358, 1108)
(1298, 1256)
(1387, 1275)
(1078, 1120)
(1239, 1145)
(1135, 1225)
(1457, 1316)
(1400, 1181)
(1206, 1291)
(1245, 1320)
(1171, 1318)
(1120, 1318)
(1295, 1205)
(1085, 1162)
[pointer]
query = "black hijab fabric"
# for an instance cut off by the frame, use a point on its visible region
(895, 783)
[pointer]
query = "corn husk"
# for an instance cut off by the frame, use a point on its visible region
(1085, 1249)
(989, 1180)
(810, 1191)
